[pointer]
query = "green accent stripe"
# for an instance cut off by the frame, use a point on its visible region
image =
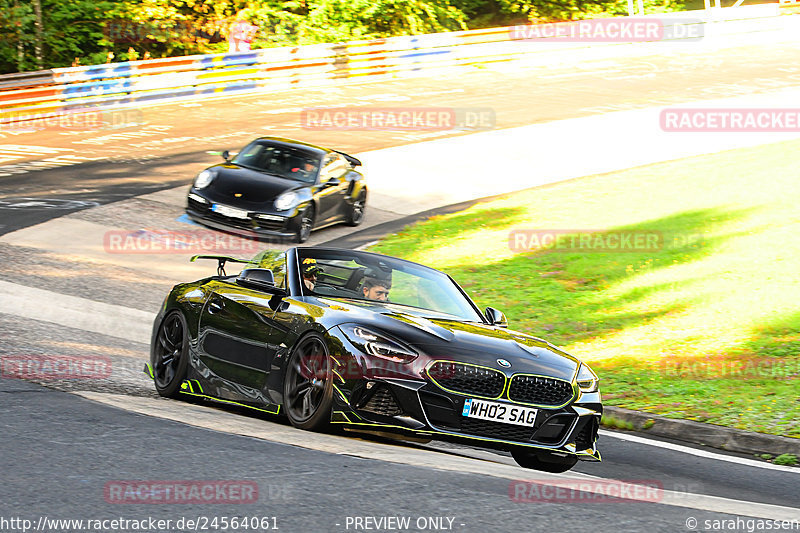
(277, 408)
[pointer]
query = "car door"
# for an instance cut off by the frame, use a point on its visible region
(237, 335)
(332, 188)
(295, 315)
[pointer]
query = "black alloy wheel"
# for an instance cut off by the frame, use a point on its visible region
(356, 214)
(170, 355)
(305, 225)
(308, 385)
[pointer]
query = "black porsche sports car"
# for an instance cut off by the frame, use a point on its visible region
(376, 344)
(279, 188)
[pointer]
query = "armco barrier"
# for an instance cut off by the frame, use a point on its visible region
(46, 93)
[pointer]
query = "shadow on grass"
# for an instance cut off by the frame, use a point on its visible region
(436, 231)
(558, 293)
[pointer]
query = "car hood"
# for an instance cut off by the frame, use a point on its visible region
(468, 342)
(246, 188)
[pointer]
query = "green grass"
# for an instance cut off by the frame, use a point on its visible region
(615, 423)
(786, 459)
(662, 328)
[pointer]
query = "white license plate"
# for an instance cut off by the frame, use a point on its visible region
(228, 211)
(499, 412)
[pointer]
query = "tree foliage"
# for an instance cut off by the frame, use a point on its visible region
(97, 31)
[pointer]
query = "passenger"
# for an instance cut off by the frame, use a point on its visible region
(376, 289)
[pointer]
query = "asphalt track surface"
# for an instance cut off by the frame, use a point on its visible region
(166, 145)
(59, 450)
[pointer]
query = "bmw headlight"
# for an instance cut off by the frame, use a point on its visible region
(286, 201)
(204, 179)
(378, 345)
(587, 379)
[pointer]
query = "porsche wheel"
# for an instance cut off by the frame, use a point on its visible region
(170, 355)
(305, 225)
(356, 214)
(545, 462)
(308, 387)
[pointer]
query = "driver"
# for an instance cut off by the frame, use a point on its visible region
(376, 288)
(307, 169)
(310, 270)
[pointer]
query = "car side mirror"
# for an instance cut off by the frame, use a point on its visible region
(226, 155)
(260, 279)
(496, 318)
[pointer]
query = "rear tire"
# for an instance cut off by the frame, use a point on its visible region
(308, 384)
(546, 462)
(169, 356)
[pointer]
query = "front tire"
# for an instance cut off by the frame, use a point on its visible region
(308, 384)
(170, 355)
(546, 462)
(356, 214)
(305, 225)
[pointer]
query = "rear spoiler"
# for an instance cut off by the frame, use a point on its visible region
(350, 159)
(221, 260)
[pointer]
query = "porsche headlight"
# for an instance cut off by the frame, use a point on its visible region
(587, 379)
(204, 179)
(378, 345)
(286, 201)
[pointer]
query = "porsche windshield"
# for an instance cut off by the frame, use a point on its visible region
(382, 280)
(279, 160)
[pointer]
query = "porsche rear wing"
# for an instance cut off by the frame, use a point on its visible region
(350, 159)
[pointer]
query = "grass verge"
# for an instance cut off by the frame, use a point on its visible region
(699, 322)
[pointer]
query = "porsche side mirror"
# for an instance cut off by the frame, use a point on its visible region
(226, 155)
(496, 318)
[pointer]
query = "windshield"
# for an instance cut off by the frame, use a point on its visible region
(383, 280)
(280, 160)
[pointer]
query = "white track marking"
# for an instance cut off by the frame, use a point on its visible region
(13, 152)
(43, 164)
(577, 74)
(699, 453)
(227, 422)
(75, 312)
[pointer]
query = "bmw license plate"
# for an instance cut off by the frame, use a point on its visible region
(228, 211)
(499, 412)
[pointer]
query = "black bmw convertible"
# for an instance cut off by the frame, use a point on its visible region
(279, 188)
(328, 336)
